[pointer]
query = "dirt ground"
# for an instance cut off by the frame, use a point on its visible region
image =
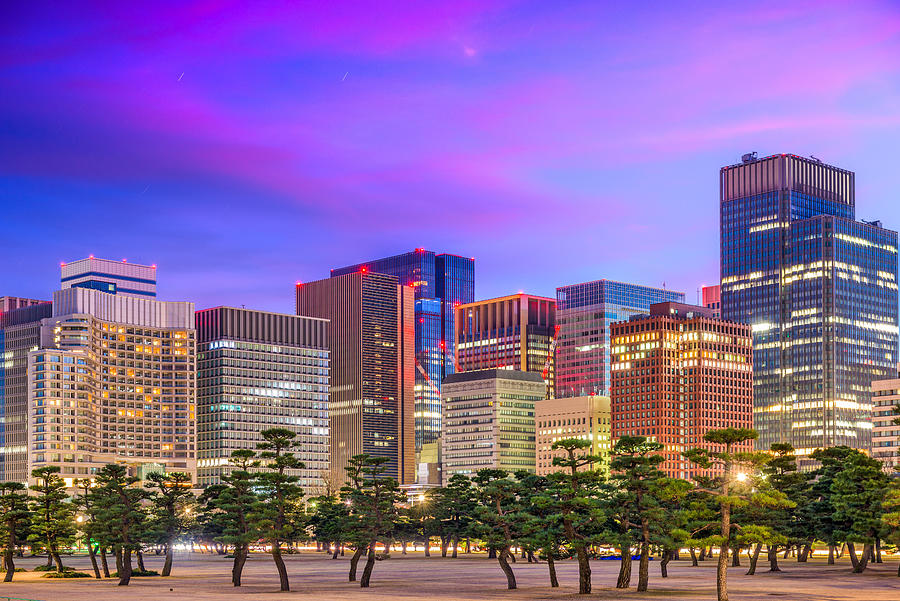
(315, 576)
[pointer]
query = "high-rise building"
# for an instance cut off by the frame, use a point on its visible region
(489, 420)
(820, 292)
(676, 374)
(584, 417)
(371, 337)
(511, 332)
(20, 332)
(712, 299)
(255, 371)
(584, 314)
(886, 432)
(114, 277)
(441, 282)
(114, 380)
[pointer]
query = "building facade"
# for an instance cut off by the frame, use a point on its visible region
(584, 314)
(20, 332)
(114, 380)
(371, 337)
(441, 282)
(512, 332)
(489, 420)
(712, 299)
(584, 417)
(886, 432)
(255, 371)
(678, 373)
(113, 277)
(820, 292)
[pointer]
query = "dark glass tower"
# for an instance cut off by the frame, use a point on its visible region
(441, 282)
(819, 290)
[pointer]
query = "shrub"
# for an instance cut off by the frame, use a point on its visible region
(67, 574)
(138, 573)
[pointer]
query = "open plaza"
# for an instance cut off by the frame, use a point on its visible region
(313, 575)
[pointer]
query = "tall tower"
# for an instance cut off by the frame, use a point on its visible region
(371, 338)
(819, 290)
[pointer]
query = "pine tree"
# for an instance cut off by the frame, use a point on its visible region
(53, 517)
(171, 499)
(499, 515)
(87, 525)
(121, 512)
(14, 523)
(857, 497)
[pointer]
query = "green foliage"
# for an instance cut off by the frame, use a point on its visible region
(139, 573)
(52, 516)
(15, 520)
(67, 574)
(228, 506)
(857, 497)
(277, 509)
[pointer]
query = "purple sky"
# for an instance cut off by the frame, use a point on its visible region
(242, 146)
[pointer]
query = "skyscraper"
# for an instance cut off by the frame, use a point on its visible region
(510, 332)
(441, 283)
(114, 380)
(584, 314)
(712, 299)
(114, 277)
(371, 340)
(584, 417)
(258, 370)
(20, 332)
(819, 290)
(676, 374)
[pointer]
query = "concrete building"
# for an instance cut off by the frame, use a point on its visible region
(20, 332)
(818, 288)
(712, 299)
(677, 373)
(585, 417)
(886, 432)
(114, 380)
(114, 277)
(512, 332)
(371, 336)
(585, 313)
(440, 283)
(258, 370)
(488, 418)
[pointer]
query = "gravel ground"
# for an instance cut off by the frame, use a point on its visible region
(205, 577)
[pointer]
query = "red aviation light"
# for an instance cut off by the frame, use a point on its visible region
(364, 269)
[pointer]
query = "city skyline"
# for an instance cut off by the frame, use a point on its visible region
(177, 138)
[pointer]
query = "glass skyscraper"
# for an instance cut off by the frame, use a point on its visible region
(584, 313)
(441, 282)
(819, 290)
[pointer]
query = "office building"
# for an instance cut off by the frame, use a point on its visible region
(255, 371)
(584, 314)
(584, 417)
(488, 418)
(114, 380)
(712, 299)
(886, 431)
(20, 332)
(818, 288)
(676, 374)
(113, 277)
(441, 282)
(371, 337)
(512, 332)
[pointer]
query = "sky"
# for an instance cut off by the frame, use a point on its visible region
(243, 146)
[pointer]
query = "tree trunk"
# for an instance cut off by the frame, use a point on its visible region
(864, 560)
(492, 553)
(93, 555)
(854, 561)
(370, 564)
(584, 569)
(427, 546)
(624, 580)
(355, 560)
(240, 557)
(753, 559)
(125, 569)
(468, 545)
(878, 551)
(279, 563)
(455, 546)
(54, 553)
(552, 567)
(337, 549)
(693, 557)
(403, 548)
(644, 563)
(103, 562)
(722, 568)
(803, 556)
(170, 555)
(664, 562)
(736, 557)
(10, 565)
(702, 553)
(140, 558)
(831, 555)
(507, 569)
(445, 542)
(773, 558)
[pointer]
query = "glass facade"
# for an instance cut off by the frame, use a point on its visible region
(584, 313)
(819, 290)
(441, 282)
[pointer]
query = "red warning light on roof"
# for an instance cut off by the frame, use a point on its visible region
(364, 269)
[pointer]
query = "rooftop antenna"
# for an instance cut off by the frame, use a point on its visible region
(816, 159)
